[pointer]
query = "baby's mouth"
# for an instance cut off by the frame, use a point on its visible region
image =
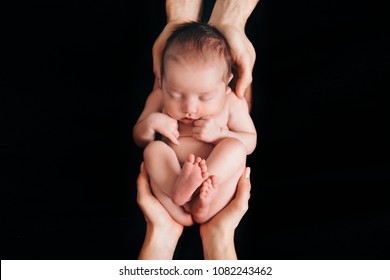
(187, 120)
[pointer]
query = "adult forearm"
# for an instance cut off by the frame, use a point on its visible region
(183, 10)
(157, 246)
(232, 12)
(218, 246)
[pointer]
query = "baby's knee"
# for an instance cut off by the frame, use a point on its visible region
(154, 148)
(234, 145)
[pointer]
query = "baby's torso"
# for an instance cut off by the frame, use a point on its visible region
(188, 144)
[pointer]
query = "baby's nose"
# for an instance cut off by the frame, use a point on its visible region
(190, 107)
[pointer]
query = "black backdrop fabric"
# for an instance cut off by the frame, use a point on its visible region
(74, 79)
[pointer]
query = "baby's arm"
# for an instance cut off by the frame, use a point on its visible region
(152, 120)
(240, 126)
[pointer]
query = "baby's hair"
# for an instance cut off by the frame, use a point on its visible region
(197, 40)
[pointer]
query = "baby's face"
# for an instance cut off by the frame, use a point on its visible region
(193, 90)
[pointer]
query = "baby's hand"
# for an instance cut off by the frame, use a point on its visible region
(207, 130)
(166, 126)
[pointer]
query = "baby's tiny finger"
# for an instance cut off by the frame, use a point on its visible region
(176, 134)
(174, 140)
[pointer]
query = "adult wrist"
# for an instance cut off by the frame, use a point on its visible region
(157, 244)
(161, 231)
(218, 245)
(179, 11)
(232, 13)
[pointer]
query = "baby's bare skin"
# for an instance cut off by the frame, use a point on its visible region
(191, 176)
(200, 205)
(171, 170)
(189, 145)
(207, 130)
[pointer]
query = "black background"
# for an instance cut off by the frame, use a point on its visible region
(74, 79)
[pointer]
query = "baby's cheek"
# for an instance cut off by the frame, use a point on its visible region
(172, 112)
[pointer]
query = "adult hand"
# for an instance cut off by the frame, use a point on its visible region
(158, 48)
(218, 233)
(178, 11)
(243, 54)
(162, 231)
(230, 17)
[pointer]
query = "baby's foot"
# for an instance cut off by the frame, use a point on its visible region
(191, 176)
(207, 193)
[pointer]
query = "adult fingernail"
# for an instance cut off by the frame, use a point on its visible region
(247, 172)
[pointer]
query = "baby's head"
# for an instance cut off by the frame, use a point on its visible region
(195, 72)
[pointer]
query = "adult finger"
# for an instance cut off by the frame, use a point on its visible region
(244, 76)
(156, 83)
(143, 187)
(243, 191)
(157, 52)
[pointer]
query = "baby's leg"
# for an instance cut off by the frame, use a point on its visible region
(191, 176)
(226, 162)
(163, 168)
(200, 206)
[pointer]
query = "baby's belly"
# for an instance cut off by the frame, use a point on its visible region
(189, 145)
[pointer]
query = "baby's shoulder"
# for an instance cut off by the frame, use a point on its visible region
(235, 103)
(155, 98)
(156, 94)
